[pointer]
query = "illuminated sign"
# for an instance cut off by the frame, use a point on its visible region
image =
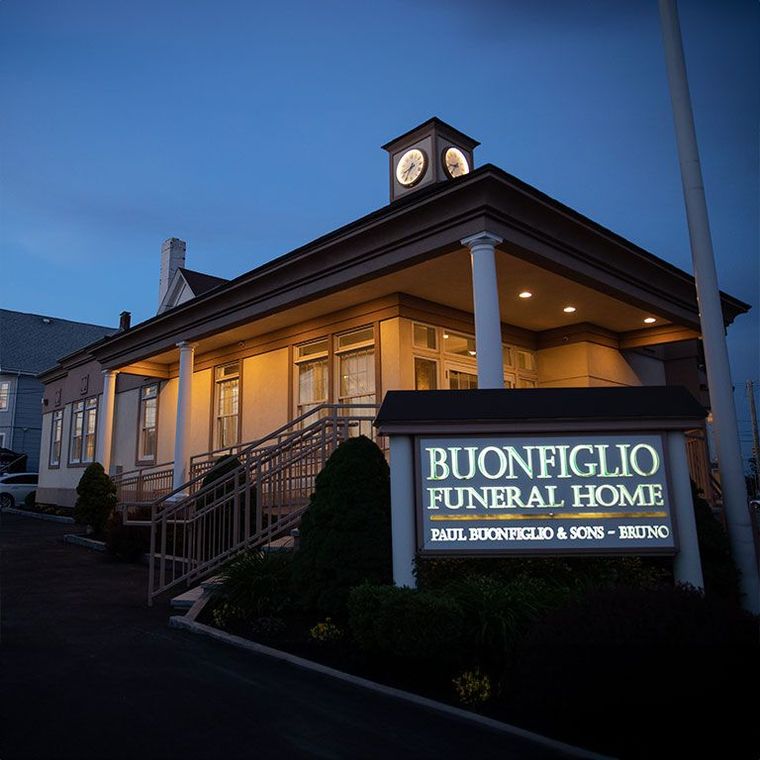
(595, 493)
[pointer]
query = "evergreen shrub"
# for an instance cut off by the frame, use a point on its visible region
(405, 623)
(127, 542)
(96, 498)
(257, 584)
(345, 534)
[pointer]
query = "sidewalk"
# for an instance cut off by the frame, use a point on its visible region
(89, 671)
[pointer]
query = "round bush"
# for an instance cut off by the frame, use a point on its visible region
(345, 534)
(96, 498)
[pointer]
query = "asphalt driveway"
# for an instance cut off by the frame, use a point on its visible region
(87, 670)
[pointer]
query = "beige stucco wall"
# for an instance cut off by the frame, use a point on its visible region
(406, 359)
(650, 370)
(200, 416)
(265, 394)
(167, 415)
(57, 485)
(583, 365)
(124, 444)
(390, 357)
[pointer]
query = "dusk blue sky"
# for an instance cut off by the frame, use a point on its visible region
(248, 129)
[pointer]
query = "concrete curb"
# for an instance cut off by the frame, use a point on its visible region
(95, 545)
(39, 515)
(88, 543)
(182, 623)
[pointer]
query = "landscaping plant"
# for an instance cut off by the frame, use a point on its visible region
(96, 498)
(345, 534)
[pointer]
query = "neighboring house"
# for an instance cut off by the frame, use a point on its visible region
(29, 344)
(467, 278)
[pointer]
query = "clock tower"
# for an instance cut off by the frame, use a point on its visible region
(432, 152)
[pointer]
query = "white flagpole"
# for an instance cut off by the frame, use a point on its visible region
(732, 481)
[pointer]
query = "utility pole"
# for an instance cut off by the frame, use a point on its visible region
(738, 519)
(755, 437)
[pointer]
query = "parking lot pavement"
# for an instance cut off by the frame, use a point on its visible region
(87, 670)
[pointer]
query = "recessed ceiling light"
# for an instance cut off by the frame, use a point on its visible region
(649, 321)
(525, 294)
(569, 309)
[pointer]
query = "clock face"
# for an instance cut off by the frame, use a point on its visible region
(411, 167)
(455, 162)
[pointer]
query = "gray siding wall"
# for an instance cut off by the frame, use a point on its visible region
(22, 420)
(28, 422)
(6, 415)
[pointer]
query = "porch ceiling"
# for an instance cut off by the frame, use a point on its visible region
(446, 280)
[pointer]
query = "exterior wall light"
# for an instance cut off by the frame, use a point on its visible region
(526, 294)
(569, 309)
(649, 321)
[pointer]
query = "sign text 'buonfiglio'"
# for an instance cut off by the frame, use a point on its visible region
(592, 493)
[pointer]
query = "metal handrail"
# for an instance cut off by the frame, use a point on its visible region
(189, 538)
(244, 448)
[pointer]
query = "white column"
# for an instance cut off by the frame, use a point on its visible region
(184, 407)
(105, 419)
(738, 519)
(403, 510)
(485, 296)
(687, 566)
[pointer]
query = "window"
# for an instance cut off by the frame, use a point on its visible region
(425, 337)
(425, 374)
(227, 405)
(56, 438)
(147, 435)
(356, 373)
(526, 360)
(83, 426)
(311, 371)
(461, 345)
(356, 367)
(462, 381)
(5, 392)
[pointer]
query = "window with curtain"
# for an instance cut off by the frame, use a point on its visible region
(356, 372)
(83, 426)
(312, 376)
(227, 405)
(56, 437)
(148, 434)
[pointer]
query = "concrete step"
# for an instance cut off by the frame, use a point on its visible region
(188, 599)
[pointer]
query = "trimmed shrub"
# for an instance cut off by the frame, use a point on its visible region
(257, 584)
(345, 534)
(30, 500)
(568, 573)
(405, 623)
(96, 498)
(126, 542)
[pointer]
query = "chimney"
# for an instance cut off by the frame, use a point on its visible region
(125, 321)
(172, 258)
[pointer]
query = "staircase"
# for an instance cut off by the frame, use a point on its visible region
(196, 529)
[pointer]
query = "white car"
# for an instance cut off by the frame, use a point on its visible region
(14, 487)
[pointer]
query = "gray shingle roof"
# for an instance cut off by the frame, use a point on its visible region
(33, 342)
(200, 282)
